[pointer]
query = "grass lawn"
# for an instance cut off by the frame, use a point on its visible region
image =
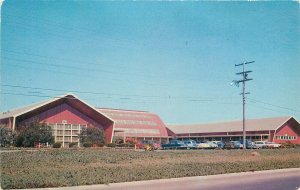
(71, 167)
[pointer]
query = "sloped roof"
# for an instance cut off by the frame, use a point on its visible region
(136, 123)
(37, 106)
(263, 124)
(18, 111)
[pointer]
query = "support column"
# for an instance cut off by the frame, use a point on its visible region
(14, 124)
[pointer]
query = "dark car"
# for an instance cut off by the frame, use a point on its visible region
(175, 144)
(228, 145)
(237, 144)
(221, 144)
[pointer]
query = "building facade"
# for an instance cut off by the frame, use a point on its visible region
(68, 116)
(279, 129)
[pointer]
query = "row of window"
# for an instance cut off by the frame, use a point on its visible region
(129, 115)
(65, 132)
(134, 122)
(66, 139)
(138, 131)
(61, 133)
(285, 137)
(61, 126)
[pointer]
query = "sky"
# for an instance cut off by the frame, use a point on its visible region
(174, 58)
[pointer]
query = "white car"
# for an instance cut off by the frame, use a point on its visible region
(191, 144)
(261, 144)
(273, 145)
(212, 144)
(203, 145)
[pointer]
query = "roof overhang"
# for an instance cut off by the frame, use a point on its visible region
(72, 101)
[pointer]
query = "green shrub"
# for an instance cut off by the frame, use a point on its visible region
(73, 144)
(111, 145)
(123, 145)
(92, 135)
(118, 140)
(288, 145)
(6, 136)
(87, 144)
(56, 145)
(35, 133)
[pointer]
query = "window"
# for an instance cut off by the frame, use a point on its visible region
(66, 132)
(285, 137)
(136, 122)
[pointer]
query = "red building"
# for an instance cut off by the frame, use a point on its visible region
(139, 125)
(279, 129)
(68, 115)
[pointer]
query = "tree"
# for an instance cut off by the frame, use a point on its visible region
(92, 135)
(6, 136)
(35, 133)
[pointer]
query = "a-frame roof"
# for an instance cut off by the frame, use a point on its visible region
(70, 98)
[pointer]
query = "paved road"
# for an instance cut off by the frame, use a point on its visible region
(285, 179)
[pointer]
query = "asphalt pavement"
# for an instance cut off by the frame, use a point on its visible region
(283, 179)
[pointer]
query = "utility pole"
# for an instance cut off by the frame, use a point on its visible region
(243, 81)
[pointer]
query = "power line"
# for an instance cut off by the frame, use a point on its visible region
(110, 94)
(243, 81)
(81, 68)
(262, 102)
(265, 108)
(78, 69)
(120, 100)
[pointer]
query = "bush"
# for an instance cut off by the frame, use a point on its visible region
(111, 145)
(126, 145)
(6, 136)
(92, 135)
(288, 145)
(123, 145)
(87, 144)
(56, 145)
(73, 144)
(131, 141)
(100, 144)
(118, 140)
(35, 133)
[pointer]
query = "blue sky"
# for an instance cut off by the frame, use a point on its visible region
(172, 58)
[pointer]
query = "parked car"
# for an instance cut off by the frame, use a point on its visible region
(261, 144)
(249, 144)
(273, 145)
(212, 145)
(220, 144)
(175, 144)
(191, 144)
(228, 145)
(203, 145)
(153, 144)
(237, 144)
